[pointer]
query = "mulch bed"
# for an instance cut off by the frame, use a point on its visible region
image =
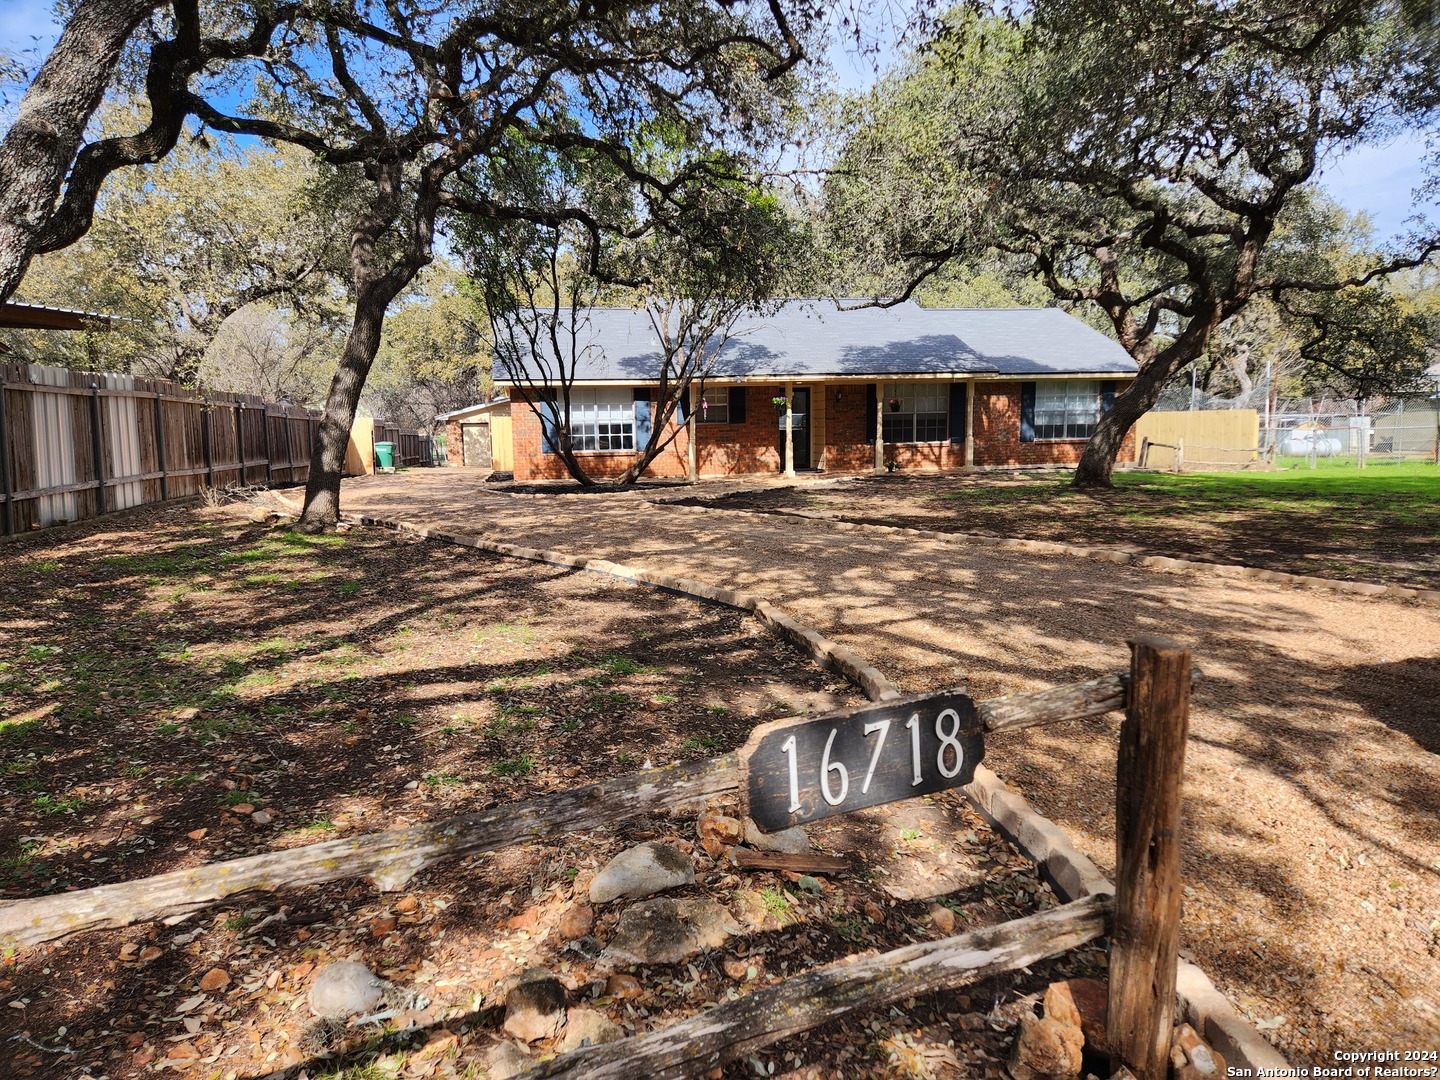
(1382, 538)
(185, 686)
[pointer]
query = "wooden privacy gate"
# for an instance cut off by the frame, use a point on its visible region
(1142, 919)
(75, 444)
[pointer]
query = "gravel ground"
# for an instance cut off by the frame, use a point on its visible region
(1313, 845)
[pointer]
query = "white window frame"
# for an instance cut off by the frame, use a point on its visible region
(713, 413)
(602, 421)
(918, 401)
(1066, 409)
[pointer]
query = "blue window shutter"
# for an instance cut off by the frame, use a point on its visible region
(642, 416)
(684, 404)
(549, 422)
(737, 404)
(957, 412)
(872, 410)
(1107, 395)
(1027, 412)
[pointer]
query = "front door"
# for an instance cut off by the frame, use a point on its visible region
(800, 423)
(475, 445)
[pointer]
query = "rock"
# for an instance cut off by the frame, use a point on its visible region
(642, 871)
(667, 931)
(1060, 1005)
(151, 952)
(1046, 1050)
(386, 924)
(504, 1060)
(727, 830)
(197, 834)
(214, 979)
(735, 968)
(873, 911)
(262, 817)
(586, 1027)
(1091, 999)
(1201, 1062)
(623, 987)
(535, 1008)
(345, 989)
(943, 918)
(407, 905)
(243, 808)
(793, 841)
(576, 922)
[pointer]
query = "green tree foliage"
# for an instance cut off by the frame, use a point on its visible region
(1149, 159)
(177, 249)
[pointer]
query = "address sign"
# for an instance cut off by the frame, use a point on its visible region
(801, 770)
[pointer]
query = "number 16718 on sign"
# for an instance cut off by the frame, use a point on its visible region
(801, 770)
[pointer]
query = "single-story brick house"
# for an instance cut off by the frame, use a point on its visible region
(946, 389)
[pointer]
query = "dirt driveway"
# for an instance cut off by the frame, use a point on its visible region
(1313, 844)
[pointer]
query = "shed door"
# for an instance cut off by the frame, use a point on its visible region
(475, 445)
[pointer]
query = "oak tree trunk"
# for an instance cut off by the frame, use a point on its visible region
(1097, 463)
(40, 147)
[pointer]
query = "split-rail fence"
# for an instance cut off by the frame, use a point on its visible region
(1141, 920)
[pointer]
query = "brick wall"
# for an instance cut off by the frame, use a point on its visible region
(754, 446)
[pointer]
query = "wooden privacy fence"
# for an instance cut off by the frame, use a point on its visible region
(75, 445)
(1142, 919)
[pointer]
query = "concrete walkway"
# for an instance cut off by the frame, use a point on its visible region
(1312, 782)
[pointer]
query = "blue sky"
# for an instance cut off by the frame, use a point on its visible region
(1379, 180)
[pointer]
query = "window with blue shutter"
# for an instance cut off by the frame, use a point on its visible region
(1107, 395)
(549, 423)
(1027, 412)
(872, 411)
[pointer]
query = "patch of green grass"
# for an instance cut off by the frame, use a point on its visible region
(619, 666)
(237, 797)
(570, 726)
(25, 855)
(442, 779)
(407, 720)
(167, 728)
(13, 731)
(625, 759)
(44, 566)
(776, 903)
(186, 778)
(717, 710)
(237, 923)
(264, 579)
(508, 724)
(909, 834)
(523, 765)
(54, 804)
(349, 588)
(517, 632)
(319, 824)
(700, 744)
(17, 767)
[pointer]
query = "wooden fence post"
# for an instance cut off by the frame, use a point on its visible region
(205, 444)
(1145, 942)
(97, 435)
(289, 448)
(5, 487)
(265, 415)
(240, 439)
(160, 448)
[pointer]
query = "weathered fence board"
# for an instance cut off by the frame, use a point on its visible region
(815, 997)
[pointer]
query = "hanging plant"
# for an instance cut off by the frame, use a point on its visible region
(781, 403)
(894, 404)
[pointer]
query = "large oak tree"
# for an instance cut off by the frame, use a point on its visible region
(1154, 159)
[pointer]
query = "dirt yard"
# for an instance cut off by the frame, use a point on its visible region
(1312, 841)
(1382, 525)
(188, 686)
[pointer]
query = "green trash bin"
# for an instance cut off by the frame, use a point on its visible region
(385, 455)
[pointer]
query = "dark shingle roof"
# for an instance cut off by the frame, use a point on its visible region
(814, 338)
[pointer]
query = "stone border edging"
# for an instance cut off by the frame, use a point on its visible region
(1067, 870)
(1120, 557)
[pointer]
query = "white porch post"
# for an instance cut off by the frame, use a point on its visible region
(970, 425)
(879, 427)
(789, 430)
(692, 455)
